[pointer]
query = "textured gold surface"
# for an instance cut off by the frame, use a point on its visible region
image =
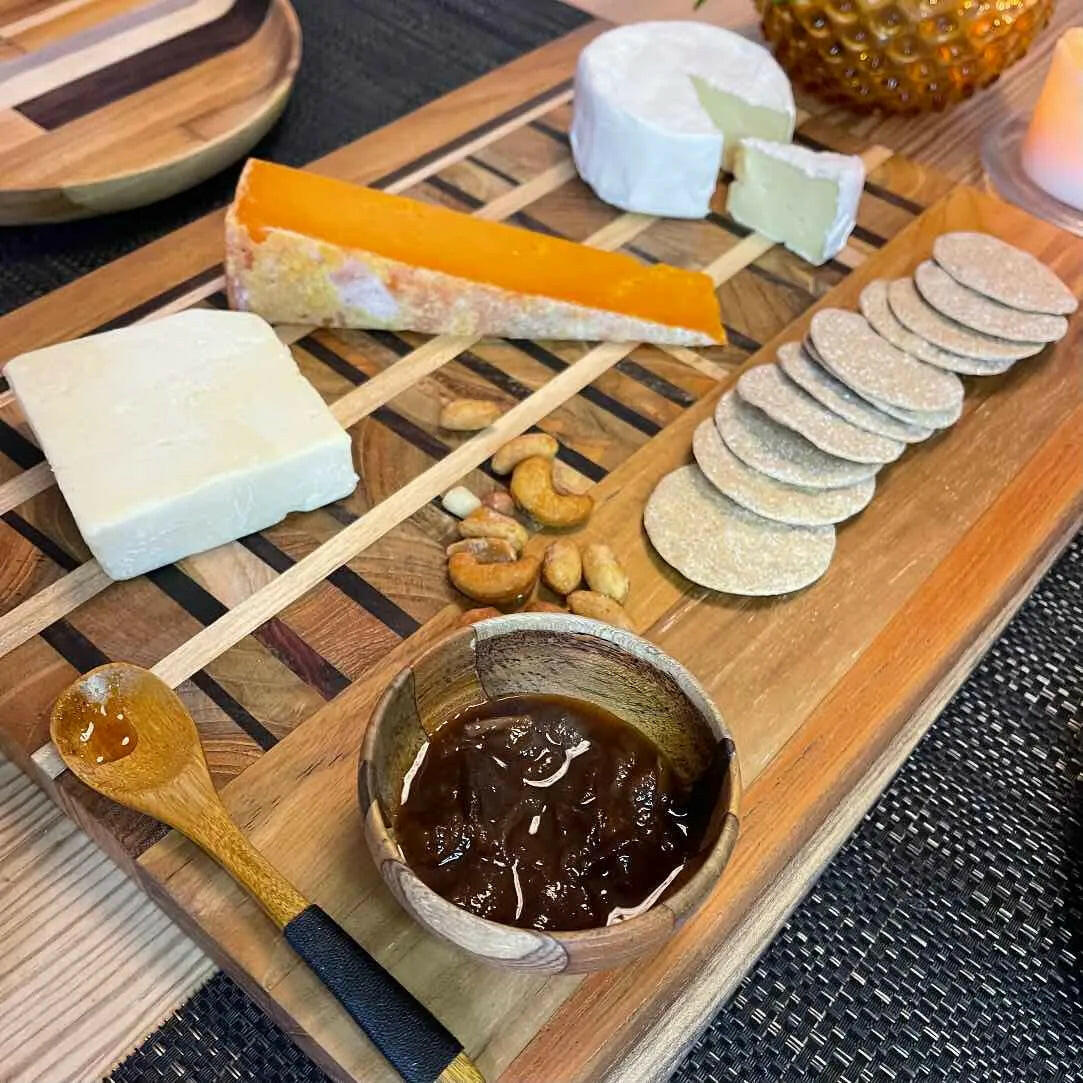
(900, 55)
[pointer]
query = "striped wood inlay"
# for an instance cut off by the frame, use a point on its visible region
(112, 103)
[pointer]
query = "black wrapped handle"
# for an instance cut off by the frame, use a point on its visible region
(413, 1040)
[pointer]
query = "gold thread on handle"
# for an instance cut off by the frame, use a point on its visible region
(461, 1070)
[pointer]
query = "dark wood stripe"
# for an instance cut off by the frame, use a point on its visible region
(76, 649)
(896, 200)
(507, 177)
(468, 137)
(353, 585)
(554, 133)
(152, 304)
(17, 448)
(658, 384)
(4, 385)
(73, 646)
(869, 237)
(741, 340)
(141, 70)
(247, 722)
(282, 641)
(42, 542)
(590, 393)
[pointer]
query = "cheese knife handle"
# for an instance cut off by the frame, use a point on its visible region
(412, 1039)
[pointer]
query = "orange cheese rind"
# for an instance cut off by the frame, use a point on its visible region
(292, 266)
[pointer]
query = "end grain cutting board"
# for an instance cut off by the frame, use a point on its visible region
(281, 643)
(107, 104)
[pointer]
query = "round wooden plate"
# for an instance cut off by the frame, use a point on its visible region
(110, 104)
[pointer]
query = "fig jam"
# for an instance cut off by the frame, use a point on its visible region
(548, 812)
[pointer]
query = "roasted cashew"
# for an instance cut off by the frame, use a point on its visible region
(469, 415)
(587, 603)
(603, 572)
(485, 550)
(494, 584)
(567, 480)
(486, 523)
(532, 488)
(562, 566)
(524, 447)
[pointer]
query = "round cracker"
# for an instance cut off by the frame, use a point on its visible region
(780, 453)
(772, 499)
(918, 316)
(836, 396)
(877, 311)
(1003, 272)
(851, 350)
(981, 313)
(930, 419)
(768, 387)
(718, 544)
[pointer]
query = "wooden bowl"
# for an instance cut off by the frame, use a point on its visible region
(564, 655)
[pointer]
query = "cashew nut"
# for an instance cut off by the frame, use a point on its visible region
(485, 550)
(460, 502)
(524, 447)
(486, 523)
(472, 616)
(604, 573)
(500, 501)
(538, 606)
(568, 480)
(562, 567)
(532, 488)
(494, 584)
(586, 603)
(469, 415)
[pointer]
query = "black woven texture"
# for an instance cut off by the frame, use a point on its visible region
(365, 63)
(942, 943)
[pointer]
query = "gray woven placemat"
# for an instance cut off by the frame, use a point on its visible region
(366, 63)
(944, 942)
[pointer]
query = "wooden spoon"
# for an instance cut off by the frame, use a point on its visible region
(125, 733)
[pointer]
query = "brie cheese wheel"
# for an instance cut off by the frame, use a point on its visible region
(174, 436)
(661, 106)
(804, 199)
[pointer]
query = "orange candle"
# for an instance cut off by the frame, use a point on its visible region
(1052, 152)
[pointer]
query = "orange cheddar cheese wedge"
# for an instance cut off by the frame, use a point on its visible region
(301, 248)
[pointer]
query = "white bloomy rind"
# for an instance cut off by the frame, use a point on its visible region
(641, 137)
(770, 201)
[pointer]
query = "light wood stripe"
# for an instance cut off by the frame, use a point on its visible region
(27, 484)
(66, 20)
(21, 84)
(15, 130)
(50, 603)
(38, 18)
(696, 361)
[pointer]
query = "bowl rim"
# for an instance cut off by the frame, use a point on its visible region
(697, 887)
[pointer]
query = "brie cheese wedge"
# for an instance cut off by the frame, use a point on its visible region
(661, 106)
(174, 436)
(804, 199)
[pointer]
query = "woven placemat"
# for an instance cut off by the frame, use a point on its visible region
(944, 942)
(365, 63)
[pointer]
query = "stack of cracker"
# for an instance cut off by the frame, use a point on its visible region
(796, 446)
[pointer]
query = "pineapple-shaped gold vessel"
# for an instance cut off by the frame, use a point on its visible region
(905, 56)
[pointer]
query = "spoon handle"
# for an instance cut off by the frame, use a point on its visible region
(401, 1027)
(412, 1039)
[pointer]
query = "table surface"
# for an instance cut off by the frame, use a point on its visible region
(92, 966)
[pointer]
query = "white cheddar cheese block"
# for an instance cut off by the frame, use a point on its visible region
(174, 436)
(660, 107)
(804, 199)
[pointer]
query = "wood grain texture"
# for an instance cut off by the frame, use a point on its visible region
(539, 653)
(282, 731)
(119, 104)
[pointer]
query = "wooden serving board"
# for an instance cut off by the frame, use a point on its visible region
(280, 643)
(107, 104)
